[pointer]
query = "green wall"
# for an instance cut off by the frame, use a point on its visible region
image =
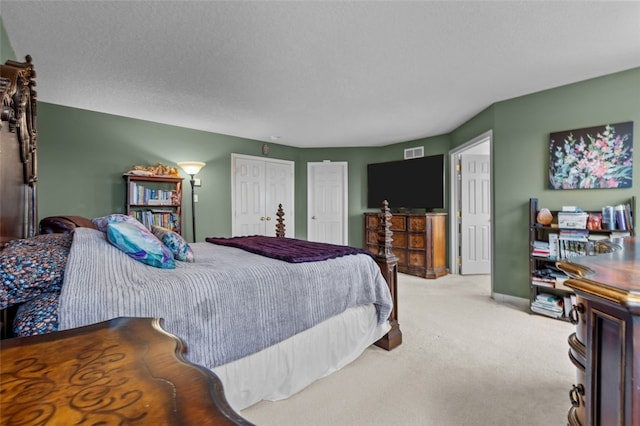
(6, 51)
(82, 155)
(357, 159)
(521, 128)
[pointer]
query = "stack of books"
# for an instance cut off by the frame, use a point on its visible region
(549, 305)
(540, 249)
(549, 277)
(573, 243)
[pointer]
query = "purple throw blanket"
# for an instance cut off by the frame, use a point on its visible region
(288, 249)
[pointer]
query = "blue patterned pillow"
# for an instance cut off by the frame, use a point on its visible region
(102, 222)
(140, 244)
(174, 241)
(32, 266)
(37, 316)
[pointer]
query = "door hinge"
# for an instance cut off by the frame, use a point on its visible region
(458, 214)
(458, 167)
(459, 260)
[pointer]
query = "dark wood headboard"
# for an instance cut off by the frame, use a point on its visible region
(18, 160)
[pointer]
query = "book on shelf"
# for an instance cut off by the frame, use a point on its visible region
(623, 217)
(619, 234)
(574, 234)
(548, 304)
(551, 277)
(543, 282)
(540, 248)
(573, 243)
(553, 245)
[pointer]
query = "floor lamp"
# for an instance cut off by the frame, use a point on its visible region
(192, 168)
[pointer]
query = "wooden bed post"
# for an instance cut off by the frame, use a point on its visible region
(18, 150)
(388, 264)
(280, 222)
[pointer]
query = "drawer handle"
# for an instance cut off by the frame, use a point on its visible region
(574, 314)
(575, 394)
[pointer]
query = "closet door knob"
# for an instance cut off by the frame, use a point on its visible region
(262, 218)
(268, 217)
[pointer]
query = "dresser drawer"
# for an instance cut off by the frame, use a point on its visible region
(417, 241)
(371, 237)
(399, 240)
(416, 258)
(398, 223)
(401, 255)
(578, 398)
(417, 223)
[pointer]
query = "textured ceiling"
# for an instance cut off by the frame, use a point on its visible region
(361, 73)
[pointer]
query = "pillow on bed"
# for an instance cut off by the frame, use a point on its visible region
(174, 242)
(140, 244)
(63, 224)
(37, 316)
(31, 266)
(102, 222)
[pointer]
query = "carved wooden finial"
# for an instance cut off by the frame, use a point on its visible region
(384, 232)
(280, 222)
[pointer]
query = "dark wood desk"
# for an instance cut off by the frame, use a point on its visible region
(606, 345)
(122, 371)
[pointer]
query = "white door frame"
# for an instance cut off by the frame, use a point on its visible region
(345, 196)
(455, 197)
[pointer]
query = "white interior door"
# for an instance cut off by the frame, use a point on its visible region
(327, 207)
(476, 214)
(279, 176)
(258, 186)
(249, 196)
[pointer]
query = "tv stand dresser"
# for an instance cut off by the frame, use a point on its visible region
(606, 345)
(419, 242)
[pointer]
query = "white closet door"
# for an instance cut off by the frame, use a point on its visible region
(249, 177)
(279, 190)
(258, 186)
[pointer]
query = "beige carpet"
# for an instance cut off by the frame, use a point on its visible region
(465, 360)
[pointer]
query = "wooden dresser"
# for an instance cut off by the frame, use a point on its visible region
(419, 242)
(122, 371)
(606, 345)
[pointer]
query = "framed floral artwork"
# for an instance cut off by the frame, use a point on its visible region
(593, 157)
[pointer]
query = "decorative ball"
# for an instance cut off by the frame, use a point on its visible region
(544, 217)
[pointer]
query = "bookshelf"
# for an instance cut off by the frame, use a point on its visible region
(155, 200)
(566, 237)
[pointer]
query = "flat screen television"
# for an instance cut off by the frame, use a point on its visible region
(417, 183)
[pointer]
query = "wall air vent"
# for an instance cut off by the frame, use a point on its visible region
(415, 152)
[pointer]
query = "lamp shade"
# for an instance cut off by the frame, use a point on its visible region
(191, 167)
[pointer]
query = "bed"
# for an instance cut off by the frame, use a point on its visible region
(267, 327)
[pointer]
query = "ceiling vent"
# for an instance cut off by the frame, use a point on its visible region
(416, 152)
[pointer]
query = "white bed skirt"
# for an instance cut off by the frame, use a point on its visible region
(282, 370)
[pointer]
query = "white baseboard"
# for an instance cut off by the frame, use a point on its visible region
(519, 302)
